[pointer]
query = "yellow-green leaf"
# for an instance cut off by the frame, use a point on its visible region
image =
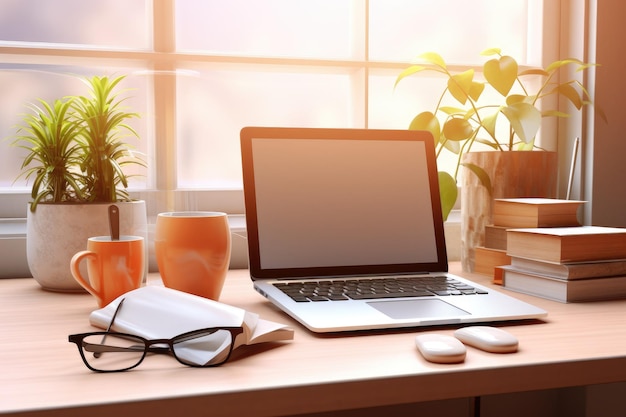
(568, 91)
(459, 85)
(476, 89)
(526, 146)
(482, 176)
(447, 193)
(600, 113)
(501, 73)
(409, 71)
(457, 129)
(554, 113)
(563, 62)
(491, 51)
(525, 120)
(534, 71)
(489, 123)
(427, 121)
(451, 110)
(469, 113)
(434, 58)
(453, 146)
(515, 98)
(488, 142)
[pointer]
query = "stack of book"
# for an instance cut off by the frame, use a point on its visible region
(520, 213)
(567, 264)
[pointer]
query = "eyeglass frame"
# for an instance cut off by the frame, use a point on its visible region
(148, 345)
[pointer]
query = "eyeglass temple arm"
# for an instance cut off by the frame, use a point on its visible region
(98, 348)
(117, 309)
(207, 332)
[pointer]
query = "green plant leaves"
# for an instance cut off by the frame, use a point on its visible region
(473, 119)
(525, 119)
(567, 90)
(491, 51)
(431, 58)
(103, 124)
(74, 149)
(457, 128)
(482, 176)
(434, 58)
(447, 193)
(53, 152)
(413, 69)
(460, 85)
(427, 121)
(501, 73)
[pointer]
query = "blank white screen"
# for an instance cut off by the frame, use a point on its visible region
(327, 203)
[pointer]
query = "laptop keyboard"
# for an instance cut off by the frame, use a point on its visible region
(376, 288)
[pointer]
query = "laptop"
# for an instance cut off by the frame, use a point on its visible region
(345, 232)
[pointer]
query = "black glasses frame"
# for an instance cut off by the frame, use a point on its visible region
(149, 346)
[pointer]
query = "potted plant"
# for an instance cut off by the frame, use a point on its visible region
(75, 159)
(508, 123)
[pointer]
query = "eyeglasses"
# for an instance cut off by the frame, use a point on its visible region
(114, 352)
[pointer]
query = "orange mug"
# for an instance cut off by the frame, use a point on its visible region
(114, 267)
(193, 251)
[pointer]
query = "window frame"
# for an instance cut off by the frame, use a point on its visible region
(163, 59)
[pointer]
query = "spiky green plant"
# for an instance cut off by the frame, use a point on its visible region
(53, 153)
(75, 146)
(103, 121)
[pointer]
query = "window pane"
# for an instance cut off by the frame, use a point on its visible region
(459, 30)
(391, 108)
(213, 107)
(215, 103)
(24, 84)
(285, 28)
(113, 23)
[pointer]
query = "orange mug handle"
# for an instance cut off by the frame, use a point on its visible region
(74, 266)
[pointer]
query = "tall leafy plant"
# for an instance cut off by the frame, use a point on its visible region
(471, 119)
(53, 152)
(103, 124)
(76, 151)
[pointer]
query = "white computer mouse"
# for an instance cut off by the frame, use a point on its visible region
(489, 339)
(440, 348)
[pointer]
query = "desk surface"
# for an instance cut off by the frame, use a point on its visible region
(42, 374)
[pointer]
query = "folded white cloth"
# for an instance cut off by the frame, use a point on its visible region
(156, 312)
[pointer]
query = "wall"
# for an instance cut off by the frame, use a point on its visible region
(606, 167)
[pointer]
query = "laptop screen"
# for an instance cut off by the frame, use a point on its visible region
(337, 202)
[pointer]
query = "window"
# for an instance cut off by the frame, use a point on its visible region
(199, 70)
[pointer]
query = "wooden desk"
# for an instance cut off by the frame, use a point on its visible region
(42, 374)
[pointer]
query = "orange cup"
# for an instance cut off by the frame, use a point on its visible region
(193, 251)
(114, 267)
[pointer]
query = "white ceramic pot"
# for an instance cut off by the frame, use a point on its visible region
(55, 232)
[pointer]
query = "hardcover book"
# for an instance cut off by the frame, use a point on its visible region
(567, 244)
(572, 270)
(592, 289)
(486, 259)
(536, 212)
(495, 237)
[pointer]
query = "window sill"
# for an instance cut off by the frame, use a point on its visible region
(13, 244)
(15, 264)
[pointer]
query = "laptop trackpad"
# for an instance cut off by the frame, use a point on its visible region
(413, 309)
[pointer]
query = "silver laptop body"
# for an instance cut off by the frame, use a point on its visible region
(332, 206)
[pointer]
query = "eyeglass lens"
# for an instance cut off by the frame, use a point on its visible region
(203, 347)
(113, 353)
